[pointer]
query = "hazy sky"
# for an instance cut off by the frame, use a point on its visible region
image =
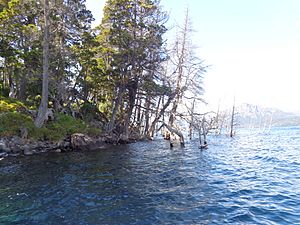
(253, 47)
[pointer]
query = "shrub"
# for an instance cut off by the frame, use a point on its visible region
(64, 125)
(12, 122)
(11, 105)
(61, 127)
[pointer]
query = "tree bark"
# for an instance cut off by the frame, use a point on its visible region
(182, 54)
(177, 132)
(41, 117)
(147, 117)
(151, 130)
(192, 120)
(232, 121)
(111, 124)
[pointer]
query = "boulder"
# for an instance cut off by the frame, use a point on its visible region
(64, 144)
(16, 144)
(4, 147)
(3, 154)
(81, 141)
(17, 141)
(57, 150)
(123, 139)
(27, 150)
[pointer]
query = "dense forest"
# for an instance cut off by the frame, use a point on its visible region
(121, 78)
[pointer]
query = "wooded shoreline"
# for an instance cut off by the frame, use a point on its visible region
(16, 146)
(112, 84)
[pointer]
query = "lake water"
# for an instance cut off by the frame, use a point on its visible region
(250, 179)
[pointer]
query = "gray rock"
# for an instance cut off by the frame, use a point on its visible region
(4, 147)
(16, 149)
(63, 144)
(27, 150)
(15, 140)
(3, 154)
(81, 142)
(57, 150)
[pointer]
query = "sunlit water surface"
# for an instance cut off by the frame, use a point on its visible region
(250, 179)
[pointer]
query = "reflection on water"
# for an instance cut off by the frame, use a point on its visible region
(251, 179)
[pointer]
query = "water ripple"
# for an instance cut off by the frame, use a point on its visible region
(251, 179)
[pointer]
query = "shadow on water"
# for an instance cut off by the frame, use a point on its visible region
(251, 179)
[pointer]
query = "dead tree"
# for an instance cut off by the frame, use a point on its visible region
(174, 131)
(232, 121)
(188, 69)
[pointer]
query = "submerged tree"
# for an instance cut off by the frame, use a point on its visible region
(187, 75)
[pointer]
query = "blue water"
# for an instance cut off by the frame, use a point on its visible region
(250, 179)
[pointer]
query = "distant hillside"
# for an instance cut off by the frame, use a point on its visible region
(255, 116)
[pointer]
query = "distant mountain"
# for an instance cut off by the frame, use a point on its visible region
(248, 115)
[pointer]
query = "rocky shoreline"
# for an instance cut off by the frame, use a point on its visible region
(16, 146)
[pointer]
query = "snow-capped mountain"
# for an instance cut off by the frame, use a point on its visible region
(248, 115)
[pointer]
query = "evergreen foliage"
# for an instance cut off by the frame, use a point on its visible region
(115, 78)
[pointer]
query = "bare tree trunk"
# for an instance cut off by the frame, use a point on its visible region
(60, 86)
(11, 86)
(232, 121)
(22, 88)
(200, 138)
(192, 120)
(204, 131)
(181, 47)
(147, 117)
(41, 117)
(111, 124)
(151, 130)
(177, 132)
(139, 114)
(133, 86)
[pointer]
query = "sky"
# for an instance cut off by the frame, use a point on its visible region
(252, 48)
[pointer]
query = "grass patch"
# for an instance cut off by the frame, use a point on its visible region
(61, 127)
(13, 117)
(12, 122)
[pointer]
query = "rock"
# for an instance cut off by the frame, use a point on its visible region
(16, 140)
(84, 142)
(27, 150)
(81, 141)
(63, 144)
(58, 150)
(123, 139)
(16, 150)
(4, 147)
(16, 143)
(3, 154)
